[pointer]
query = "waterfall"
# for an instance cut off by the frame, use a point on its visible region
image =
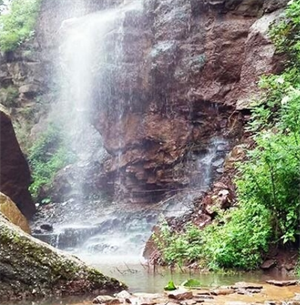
(90, 46)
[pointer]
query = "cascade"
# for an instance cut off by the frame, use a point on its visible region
(99, 225)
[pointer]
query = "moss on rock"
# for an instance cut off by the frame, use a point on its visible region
(30, 268)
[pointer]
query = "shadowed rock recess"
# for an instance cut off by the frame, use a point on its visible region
(14, 171)
(30, 268)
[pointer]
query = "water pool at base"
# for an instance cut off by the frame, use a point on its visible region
(141, 278)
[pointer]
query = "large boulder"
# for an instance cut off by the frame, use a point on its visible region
(10, 210)
(14, 174)
(30, 268)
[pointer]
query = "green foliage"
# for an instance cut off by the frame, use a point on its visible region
(171, 286)
(9, 96)
(17, 25)
(46, 157)
(181, 248)
(236, 244)
(191, 283)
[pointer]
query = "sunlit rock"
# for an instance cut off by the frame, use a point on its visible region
(10, 210)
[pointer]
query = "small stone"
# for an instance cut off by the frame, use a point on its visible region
(204, 297)
(30, 88)
(283, 283)
(222, 291)
(203, 292)
(101, 299)
(242, 291)
(47, 227)
(289, 267)
(180, 295)
(123, 295)
(244, 285)
(254, 291)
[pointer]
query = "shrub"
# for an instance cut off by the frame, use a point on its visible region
(47, 156)
(17, 25)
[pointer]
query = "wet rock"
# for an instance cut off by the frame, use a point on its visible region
(180, 295)
(270, 263)
(10, 210)
(47, 227)
(202, 293)
(283, 283)
(289, 267)
(245, 285)
(29, 89)
(106, 299)
(145, 298)
(123, 294)
(222, 292)
(32, 269)
(14, 175)
(204, 297)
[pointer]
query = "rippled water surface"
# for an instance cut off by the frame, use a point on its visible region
(140, 278)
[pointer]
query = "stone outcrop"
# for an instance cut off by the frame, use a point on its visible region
(10, 210)
(30, 268)
(171, 82)
(187, 66)
(14, 171)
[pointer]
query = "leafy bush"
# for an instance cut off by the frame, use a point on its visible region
(181, 248)
(17, 25)
(47, 156)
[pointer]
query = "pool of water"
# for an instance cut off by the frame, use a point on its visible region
(139, 277)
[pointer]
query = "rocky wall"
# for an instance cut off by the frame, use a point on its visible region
(14, 171)
(187, 67)
(176, 75)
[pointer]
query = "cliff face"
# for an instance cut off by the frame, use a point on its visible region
(187, 66)
(175, 75)
(14, 171)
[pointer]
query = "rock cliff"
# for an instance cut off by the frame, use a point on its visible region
(176, 76)
(186, 68)
(14, 171)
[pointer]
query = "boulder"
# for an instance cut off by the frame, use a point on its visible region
(30, 268)
(14, 175)
(10, 210)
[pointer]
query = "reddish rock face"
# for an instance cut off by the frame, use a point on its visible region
(187, 66)
(14, 170)
(173, 75)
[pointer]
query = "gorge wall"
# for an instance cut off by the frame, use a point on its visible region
(178, 74)
(14, 171)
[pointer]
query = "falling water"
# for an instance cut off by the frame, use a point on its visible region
(111, 229)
